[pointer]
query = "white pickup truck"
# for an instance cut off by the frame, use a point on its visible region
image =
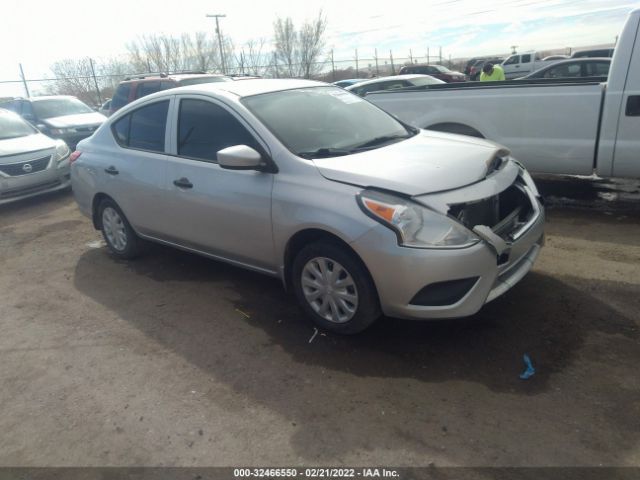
(521, 64)
(566, 127)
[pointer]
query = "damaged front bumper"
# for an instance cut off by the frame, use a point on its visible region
(419, 283)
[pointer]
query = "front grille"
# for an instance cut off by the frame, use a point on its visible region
(504, 213)
(86, 129)
(17, 169)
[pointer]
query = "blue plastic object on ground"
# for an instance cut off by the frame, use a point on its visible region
(529, 371)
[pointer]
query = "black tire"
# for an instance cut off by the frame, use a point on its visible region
(132, 244)
(367, 309)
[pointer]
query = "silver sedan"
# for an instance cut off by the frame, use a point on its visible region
(30, 163)
(359, 214)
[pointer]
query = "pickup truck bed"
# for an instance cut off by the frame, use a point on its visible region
(573, 126)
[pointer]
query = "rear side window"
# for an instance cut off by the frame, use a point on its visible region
(205, 128)
(147, 88)
(121, 97)
(526, 58)
(144, 128)
(597, 69)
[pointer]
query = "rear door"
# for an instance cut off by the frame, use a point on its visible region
(225, 213)
(133, 172)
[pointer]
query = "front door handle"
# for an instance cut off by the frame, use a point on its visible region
(633, 106)
(112, 170)
(183, 183)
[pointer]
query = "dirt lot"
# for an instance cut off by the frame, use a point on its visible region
(177, 360)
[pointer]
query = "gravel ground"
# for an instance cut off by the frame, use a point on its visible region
(177, 360)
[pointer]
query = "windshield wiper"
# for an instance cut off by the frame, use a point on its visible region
(324, 152)
(378, 141)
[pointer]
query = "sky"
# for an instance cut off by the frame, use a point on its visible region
(36, 33)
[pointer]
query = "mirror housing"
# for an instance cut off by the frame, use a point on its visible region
(240, 157)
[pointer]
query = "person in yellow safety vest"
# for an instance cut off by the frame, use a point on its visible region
(491, 73)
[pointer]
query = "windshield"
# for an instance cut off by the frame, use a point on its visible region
(12, 126)
(324, 121)
(442, 69)
(420, 81)
(59, 107)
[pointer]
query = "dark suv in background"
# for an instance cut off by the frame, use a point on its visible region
(438, 71)
(139, 86)
(58, 116)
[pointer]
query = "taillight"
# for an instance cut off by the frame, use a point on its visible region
(74, 156)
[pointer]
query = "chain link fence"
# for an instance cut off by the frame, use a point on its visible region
(94, 87)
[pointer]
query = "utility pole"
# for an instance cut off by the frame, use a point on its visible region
(24, 81)
(377, 70)
(95, 81)
(217, 16)
(357, 70)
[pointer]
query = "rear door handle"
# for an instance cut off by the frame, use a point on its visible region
(633, 106)
(112, 170)
(183, 183)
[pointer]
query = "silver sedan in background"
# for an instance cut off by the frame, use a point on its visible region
(356, 212)
(30, 163)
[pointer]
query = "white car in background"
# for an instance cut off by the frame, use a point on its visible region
(30, 162)
(394, 82)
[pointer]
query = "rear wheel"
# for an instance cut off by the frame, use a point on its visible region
(334, 288)
(118, 234)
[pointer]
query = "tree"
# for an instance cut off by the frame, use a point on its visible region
(165, 53)
(298, 51)
(311, 44)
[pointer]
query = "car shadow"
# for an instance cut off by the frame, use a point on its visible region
(247, 333)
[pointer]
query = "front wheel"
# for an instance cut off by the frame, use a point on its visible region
(334, 288)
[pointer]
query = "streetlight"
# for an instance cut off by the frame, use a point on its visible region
(217, 16)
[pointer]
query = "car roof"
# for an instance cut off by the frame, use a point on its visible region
(154, 77)
(38, 98)
(389, 78)
(250, 87)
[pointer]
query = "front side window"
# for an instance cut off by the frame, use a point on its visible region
(59, 107)
(12, 105)
(512, 60)
(144, 128)
(325, 121)
(205, 128)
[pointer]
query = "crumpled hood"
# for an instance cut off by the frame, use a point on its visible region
(77, 120)
(426, 163)
(30, 143)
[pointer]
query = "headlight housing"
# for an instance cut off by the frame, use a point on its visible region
(416, 226)
(62, 151)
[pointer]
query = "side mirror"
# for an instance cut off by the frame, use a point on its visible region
(240, 157)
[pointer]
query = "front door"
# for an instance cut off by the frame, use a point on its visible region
(225, 213)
